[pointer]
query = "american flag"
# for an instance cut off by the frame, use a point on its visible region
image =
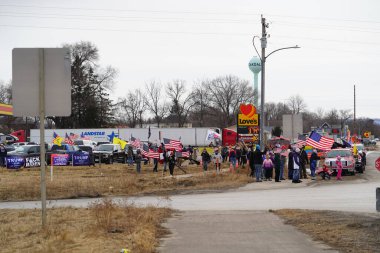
(149, 152)
(320, 142)
(135, 142)
(173, 144)
(68, 140)
(74, 136)
(183, 154)
(301, 140)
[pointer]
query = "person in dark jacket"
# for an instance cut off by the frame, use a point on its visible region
(206, 158)
(251, 162)
(290, 164)
(3, 155)
(313, 163)
(304, 160)
(238, 154)
(243, 159)
(172, 161)
(277, 165)
(224, 153)
(257, 158)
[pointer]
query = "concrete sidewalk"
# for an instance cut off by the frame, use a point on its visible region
(235, 231)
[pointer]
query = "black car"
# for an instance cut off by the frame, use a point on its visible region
(109, 153)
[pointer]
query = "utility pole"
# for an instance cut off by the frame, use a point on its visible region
(263, 39)
(354, 109)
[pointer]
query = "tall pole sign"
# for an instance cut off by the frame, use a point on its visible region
(41, 86)
(248, 127)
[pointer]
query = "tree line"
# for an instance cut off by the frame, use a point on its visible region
(205, 103)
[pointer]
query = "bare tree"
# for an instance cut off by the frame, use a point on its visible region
(154, 102)
(296, 104)
(5, 92)
(226, 94)
(200, 99)
(332, 116)
(344, 116)
(181, 102)
(132, 105)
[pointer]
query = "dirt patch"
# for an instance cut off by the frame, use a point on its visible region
(104, 227)
(347, 232)
(110, 180)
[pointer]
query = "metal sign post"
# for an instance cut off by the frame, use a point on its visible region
(41, 54)
(37, 72)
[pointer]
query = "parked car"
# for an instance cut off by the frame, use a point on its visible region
(109, 153)
(348, 160)
(25, 150)
(9, 148)
(17, 144)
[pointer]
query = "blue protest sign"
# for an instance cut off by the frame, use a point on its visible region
(14, 162)
(81, 159)
(60, 159)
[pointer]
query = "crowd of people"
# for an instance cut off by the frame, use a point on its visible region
(265, 164)
(268, 164)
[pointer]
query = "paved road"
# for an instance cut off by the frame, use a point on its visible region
(235, 231)
(210, 222)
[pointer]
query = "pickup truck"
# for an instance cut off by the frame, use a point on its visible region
(63, 149)
(109, 153)
(348, 160)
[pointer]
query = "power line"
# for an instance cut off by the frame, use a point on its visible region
(183, 32)
(189, 12)
(128, 10)
(171, 19)
(327, 27)
(121, 18)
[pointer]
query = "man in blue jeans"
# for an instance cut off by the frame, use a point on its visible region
(258, 162)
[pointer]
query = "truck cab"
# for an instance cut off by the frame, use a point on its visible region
(108, 153)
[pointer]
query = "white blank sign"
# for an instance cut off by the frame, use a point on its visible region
(25, 81)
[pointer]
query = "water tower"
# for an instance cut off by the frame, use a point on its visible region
(255, 66)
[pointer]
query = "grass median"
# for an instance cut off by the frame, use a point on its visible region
(103, 227)
(345, 231)
(111, 180)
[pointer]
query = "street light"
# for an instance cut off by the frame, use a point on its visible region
(263, 59)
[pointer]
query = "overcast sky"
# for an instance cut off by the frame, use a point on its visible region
(191, 40)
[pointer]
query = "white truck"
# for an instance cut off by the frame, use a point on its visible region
(198, 136)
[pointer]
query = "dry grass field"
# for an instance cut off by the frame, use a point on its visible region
(347, 232)
(103, 227)
(115, 179)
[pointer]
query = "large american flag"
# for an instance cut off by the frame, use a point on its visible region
(149, 152)
(320, 142)
(135, 142)
(173, 144)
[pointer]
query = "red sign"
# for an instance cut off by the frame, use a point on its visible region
(377, 164)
